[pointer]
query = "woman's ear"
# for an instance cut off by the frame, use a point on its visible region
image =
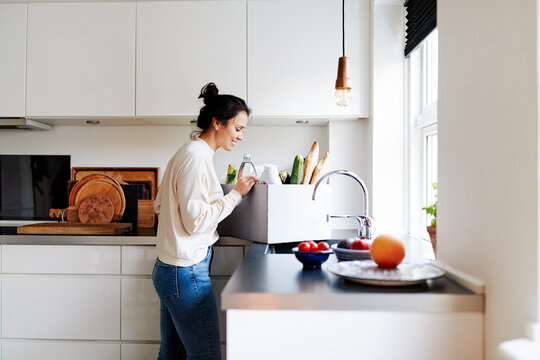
(215, 124)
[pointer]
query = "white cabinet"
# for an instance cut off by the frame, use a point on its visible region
(183, 45)
(293, 51)
(138, 260)
(31, 350)
(81, 59)
(57, 307)
(60, 259)
(139, 351)
(13, 59)
(358, 335)
(140, 310)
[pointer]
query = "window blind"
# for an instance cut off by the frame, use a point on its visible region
(421, 19)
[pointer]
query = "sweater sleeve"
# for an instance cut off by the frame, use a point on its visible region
(197, 212)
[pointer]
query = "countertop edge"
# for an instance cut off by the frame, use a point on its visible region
(425, 303)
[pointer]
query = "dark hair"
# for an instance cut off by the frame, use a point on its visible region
(221, 107)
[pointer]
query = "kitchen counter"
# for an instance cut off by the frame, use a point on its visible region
(278, 281)
(142, 237)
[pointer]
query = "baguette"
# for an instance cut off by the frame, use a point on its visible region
(309, 163)
(319, 169)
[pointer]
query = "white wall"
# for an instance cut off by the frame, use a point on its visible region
(152, 146)
(349, 146)
(488, 155)
(387, 126)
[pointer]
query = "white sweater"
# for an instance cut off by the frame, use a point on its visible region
(190, 204)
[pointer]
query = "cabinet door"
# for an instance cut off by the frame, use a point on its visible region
(59, 350)
(58, 307)
(81, 59)
(138, 260)
(140, 351)
(140, 310)
(60, 259)
(293, 51)
(183, 45)
(13, 59)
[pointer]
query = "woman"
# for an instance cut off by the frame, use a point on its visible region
(190, 204)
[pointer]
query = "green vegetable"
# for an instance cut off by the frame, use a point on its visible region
(297, 170)
(232, 175)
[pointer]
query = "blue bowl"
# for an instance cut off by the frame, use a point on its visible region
(311, 260)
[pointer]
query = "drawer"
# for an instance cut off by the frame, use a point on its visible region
(140, 351)
(140, 310)
(138, 260)
(56, 307)
(58, 350)
(60, 259)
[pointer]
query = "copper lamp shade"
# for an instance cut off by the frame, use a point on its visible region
(343, 81)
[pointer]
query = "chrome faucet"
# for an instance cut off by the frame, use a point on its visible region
(365, 222)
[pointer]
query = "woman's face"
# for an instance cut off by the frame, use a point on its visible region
(232, 132)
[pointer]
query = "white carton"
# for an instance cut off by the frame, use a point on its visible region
(279, 213)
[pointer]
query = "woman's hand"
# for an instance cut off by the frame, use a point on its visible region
(244, 184)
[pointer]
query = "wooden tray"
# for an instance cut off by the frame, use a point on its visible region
(74, 229)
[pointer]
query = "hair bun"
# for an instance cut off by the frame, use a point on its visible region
(208, 93)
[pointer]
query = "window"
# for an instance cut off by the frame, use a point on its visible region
(422, 139)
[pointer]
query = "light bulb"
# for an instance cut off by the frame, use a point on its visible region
(343, 97)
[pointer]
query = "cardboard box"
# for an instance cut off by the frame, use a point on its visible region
(274, 214)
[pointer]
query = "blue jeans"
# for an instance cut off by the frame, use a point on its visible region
(188, 314)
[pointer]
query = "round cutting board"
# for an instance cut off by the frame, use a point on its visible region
(106, 188)
(96, 209)
(79, 184)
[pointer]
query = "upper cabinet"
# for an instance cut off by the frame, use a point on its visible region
(293, 50)
(183, 45)
(81, 59)
(13, 59)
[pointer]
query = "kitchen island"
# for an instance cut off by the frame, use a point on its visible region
(276, 309)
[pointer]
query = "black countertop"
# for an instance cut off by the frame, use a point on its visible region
(278, 281)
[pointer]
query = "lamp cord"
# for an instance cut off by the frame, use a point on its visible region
(343, 25)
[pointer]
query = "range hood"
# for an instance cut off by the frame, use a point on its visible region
(22, 124)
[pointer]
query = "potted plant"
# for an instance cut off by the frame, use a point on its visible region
(432, 210)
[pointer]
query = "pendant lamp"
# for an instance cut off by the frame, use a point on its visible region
(343, 94)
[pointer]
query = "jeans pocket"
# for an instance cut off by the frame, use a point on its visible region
(165, 280)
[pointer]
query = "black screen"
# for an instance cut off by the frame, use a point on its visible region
(30, 185)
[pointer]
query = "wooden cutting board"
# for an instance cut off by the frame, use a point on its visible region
(82, 182)
(96, 209)
(74, 229)
(105, 188)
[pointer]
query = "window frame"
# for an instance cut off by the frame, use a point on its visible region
(420, 123)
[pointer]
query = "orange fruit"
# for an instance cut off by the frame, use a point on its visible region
(387, 251)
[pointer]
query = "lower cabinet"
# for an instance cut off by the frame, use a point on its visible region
(88, 302)
(140, 310)
(139, 351)
(59, 350)
(49, 307)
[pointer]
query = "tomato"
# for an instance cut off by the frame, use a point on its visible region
(313, 246)
(304, 246)
(323, 246)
